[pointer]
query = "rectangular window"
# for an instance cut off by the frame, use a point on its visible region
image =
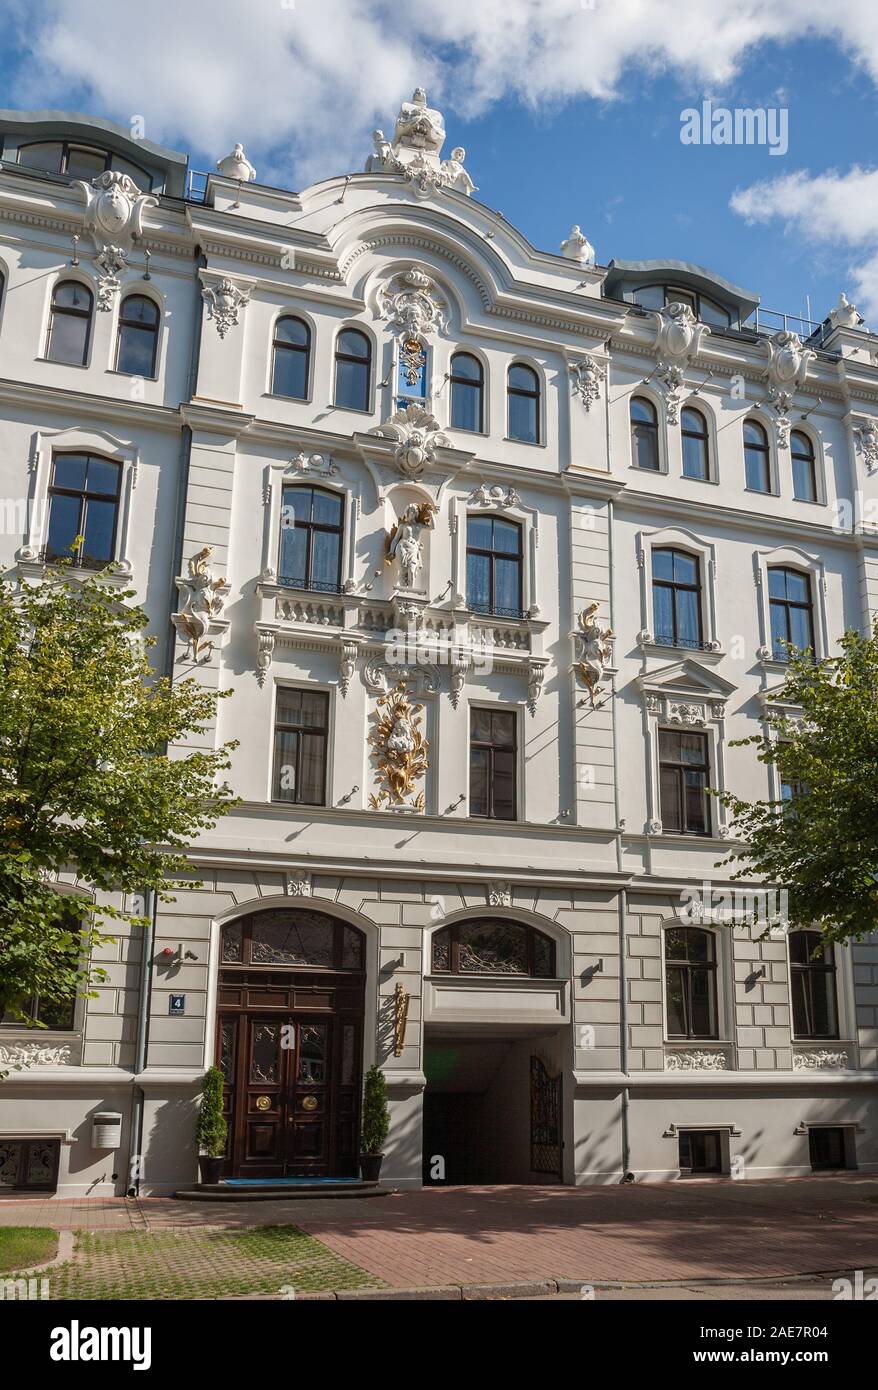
(493, 566)
(701, 1151)
(492, 764)
(827, 1147)
(300, 732)
(51, 1013)
(83, 510)
(683, 779)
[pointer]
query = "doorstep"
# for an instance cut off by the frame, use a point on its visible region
(280, 1190)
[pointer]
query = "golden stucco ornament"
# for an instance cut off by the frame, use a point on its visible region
(401, 751)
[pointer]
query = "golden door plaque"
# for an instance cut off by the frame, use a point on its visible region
(310, 1103)
(263, 1102)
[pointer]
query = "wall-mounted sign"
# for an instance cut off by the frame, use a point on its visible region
(176, 1003)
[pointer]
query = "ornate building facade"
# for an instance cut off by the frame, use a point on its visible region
(498, 550)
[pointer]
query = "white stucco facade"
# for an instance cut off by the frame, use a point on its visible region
(208, 454)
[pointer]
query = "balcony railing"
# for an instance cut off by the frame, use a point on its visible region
(311, 586)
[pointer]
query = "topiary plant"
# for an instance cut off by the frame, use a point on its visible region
(376, 1113)
(211, 1130)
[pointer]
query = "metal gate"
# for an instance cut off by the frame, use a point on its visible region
(545, 1120)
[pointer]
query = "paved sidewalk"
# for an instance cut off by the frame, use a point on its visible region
(686, 1230)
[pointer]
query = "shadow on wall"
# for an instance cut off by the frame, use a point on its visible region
(169, 1141)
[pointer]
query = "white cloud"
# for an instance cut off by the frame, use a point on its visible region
(835, 209)
(303, 82)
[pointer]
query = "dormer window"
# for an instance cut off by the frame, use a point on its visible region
(79, 161)
(704, 308)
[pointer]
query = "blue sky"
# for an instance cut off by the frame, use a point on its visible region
(568, 115)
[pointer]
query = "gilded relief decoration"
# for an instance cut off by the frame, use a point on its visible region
(401, 751)
(203, 598)
(400, 1017)
(595, 650)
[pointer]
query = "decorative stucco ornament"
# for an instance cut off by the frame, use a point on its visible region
(405, 543)
(30, 1054)
(844, 314)
(417, 435)
(586, 377)
(577, 247)
(381, 160)
(412, 304)
(499, 893)
(678, 341)
(224, 301)
(299, 884)
(454, 175)
(110, 262)
(787, 368)
(203, 598)
(866, 436)
(695, 1061)
(401, 751)
(415, 153)
(822, 1059)
(418, 126)
(114, 208)
(236, 166)
(495, 496)
(595, 650)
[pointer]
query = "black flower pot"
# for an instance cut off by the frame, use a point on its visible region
(210, 1168)
(370, 1166)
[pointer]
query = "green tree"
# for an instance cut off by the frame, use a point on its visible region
(85, 780)
(821, 843)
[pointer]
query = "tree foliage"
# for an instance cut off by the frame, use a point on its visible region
(86, 782)
(821, 846)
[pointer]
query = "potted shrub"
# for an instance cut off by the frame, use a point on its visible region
(211, 1130)
(374, 1125)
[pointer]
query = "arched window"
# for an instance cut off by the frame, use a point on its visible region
(467, 392)
(696, 451)
(815, 1008)
(690, 983)
(83, 503)
(523, 389)
(804, 467)
(287, 937)
(757, 465)
(493, 566)
(291, 356)
(676, 598)
(137, 336)
(644, 434)
(310, 539)
(493, 946)
(353, 367)
(789, 604)
(70, 324)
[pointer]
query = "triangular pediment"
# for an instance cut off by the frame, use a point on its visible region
(686, 677)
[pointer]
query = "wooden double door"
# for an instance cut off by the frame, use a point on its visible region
(290, 1052)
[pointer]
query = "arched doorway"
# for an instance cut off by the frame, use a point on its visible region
(290, 1004)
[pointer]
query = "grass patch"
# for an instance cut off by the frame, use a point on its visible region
(22, 1247)
(202, 1264)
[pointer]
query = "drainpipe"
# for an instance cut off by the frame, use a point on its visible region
(135, 1139)
(623, 893)
(143, 999)
(623, 1031)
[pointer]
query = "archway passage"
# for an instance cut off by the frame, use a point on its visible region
(493, 1057)
(291, 995)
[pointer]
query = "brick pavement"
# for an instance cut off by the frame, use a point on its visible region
(732, 1230)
